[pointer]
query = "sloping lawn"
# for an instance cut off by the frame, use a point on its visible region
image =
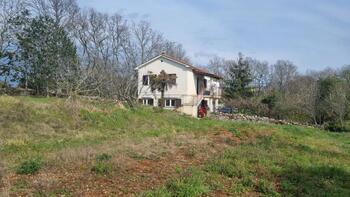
(52, 147)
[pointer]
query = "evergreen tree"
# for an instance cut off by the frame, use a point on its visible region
(48, 53)
(238, 79)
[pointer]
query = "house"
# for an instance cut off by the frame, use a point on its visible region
(194, 87)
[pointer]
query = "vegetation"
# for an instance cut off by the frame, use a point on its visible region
(319, 98)
(126, 152)
(162, 83)
(29, 166)
(238, 79)
(53, 47)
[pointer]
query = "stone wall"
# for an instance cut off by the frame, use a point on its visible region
(244, 117)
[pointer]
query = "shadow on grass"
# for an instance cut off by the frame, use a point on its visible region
(315, 181)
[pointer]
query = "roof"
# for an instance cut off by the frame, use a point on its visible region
(187, 65)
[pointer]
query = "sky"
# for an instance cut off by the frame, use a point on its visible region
(313, 34)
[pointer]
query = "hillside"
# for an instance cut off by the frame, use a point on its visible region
(51, 147)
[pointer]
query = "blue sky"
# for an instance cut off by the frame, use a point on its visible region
(312, 34)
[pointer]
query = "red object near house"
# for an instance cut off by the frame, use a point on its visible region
(202, 112)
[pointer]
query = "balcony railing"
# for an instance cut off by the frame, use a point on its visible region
(217, 92)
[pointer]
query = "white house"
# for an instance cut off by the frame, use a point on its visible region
(194, 87)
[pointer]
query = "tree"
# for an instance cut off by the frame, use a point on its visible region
(238, 79)
(162, 83)
(10, 12)
(270, 101)
(49, 53)
(260, 72)
(283, 72)
(63, 12)
(217, 65)
(148, 42)
(303, 94)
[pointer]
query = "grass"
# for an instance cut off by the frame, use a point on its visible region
(189, 183)
(90, 139)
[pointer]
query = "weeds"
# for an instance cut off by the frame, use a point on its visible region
(103, 157)
(102, 165)
(102, 168)
(30, 166)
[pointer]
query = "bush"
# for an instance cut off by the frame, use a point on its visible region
(335, 126)
(29, 167)
(251, 106)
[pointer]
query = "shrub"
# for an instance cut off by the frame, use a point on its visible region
(335, 126)
(29, 166)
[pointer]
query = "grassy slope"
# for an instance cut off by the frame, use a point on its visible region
(267, 159)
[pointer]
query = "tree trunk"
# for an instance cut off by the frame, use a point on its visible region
(162, 99)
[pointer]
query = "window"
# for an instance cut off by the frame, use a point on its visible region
(170, 102)
(205, 83)
(173, 103)
(145, 80)
(173, 78)
(147, 101)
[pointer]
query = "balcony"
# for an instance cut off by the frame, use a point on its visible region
(216, 93)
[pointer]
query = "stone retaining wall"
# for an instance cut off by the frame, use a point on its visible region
(244, 117)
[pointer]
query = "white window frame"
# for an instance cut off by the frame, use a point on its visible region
(172, 103)
(146, 101)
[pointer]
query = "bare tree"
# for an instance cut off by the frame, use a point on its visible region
(283, 72)
(303, 94)
(148, 42)
(175, 50)
(217, 65)
(260, 73)
(62, 11)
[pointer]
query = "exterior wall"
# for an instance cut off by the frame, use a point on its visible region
(185, 88)
(169, 67)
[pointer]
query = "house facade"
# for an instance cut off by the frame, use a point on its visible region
(194, 87)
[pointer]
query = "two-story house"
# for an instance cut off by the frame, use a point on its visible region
(194, 87)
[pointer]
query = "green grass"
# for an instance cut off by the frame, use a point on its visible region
(190, 183)
(294, 161)
(272, 160)
(34, 126)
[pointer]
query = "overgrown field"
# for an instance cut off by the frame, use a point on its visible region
(52, 147)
